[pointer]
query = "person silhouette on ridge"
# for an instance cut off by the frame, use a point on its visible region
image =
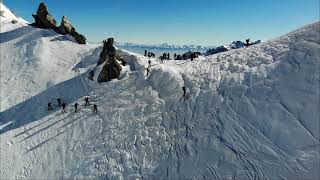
(95, 108)
(76, 107)
(184, 89)
(63, 107)
(49, 106)
(87, 101)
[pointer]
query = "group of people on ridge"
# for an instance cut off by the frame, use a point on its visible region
(165, 56)
(149, 54)
(63, 105)
(184, 89)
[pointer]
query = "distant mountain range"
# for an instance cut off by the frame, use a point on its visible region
(165, 46)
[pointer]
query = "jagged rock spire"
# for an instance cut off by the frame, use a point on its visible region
(112, 68)
(43, 18)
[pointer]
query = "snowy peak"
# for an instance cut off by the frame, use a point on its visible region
(8, 14)
(9, 21)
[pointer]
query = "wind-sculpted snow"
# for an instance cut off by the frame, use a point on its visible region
(33, 60)
(250, 113)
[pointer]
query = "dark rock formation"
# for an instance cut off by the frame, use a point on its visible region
(237, 44)
(78, 37)
(216, 50)
(2, 13)
(233, 45)
(43, 19)
(67, 28)
(112, 68)
(191, 55)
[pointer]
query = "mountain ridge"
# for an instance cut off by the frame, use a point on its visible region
(248, 113)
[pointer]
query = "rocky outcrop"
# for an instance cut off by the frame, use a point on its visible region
(67, 28)
(43, 19)
(111, 69)
(233, 45)
(216, 50)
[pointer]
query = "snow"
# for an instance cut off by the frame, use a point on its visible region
(249, 113)
(6, 17)
(33, 60)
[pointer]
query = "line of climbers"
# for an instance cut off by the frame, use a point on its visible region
(63, 105)
(166, 56)
(185, 56)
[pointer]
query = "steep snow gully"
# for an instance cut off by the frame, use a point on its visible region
(251, 113)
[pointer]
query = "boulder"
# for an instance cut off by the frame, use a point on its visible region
(67, 28)
(111, 69)
(43, 19)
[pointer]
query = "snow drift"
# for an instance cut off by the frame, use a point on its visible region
(250, 113)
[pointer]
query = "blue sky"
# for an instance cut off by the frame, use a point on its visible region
(203, 22)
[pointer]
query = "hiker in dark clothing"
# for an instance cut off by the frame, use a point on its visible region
(76, 107)
(168, 56)
(63, 107)
(184, 56)
(87, 101)
(164, 56)
(59, 101)
(91, 75)
(247, 42)
(95, 109)
(148, 70)
(161, 59)
(184, 89)
(145, 53)
(149, 62)
(175, 56)
(49, 106)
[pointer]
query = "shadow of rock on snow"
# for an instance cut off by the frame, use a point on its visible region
(35, 108)
(25, 30)
(11, 35)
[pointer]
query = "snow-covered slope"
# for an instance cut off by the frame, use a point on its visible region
(34, 59)
(6, 18)
(251, 113)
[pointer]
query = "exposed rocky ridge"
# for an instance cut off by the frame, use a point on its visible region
(67, 28)
(233, 45)
(111, 69)
(43, 19)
